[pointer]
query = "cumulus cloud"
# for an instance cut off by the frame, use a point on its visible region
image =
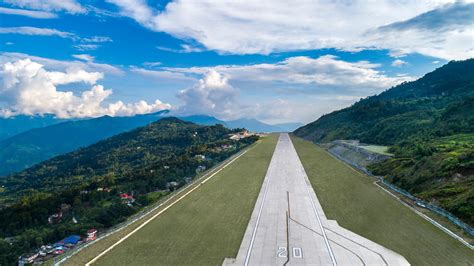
(59, 65)
(27, 88)
(27, 13)
(398, 63)
(70, 6)
(264, 27)
(310, 86)
(324, 71)
(211, 95)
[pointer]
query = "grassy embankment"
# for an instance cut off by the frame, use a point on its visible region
(357, 204)
(203, 228)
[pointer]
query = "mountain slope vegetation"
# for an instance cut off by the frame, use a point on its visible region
(429, 124)
(85, 185)
(38, 144)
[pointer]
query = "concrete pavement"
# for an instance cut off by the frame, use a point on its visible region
(288, 225)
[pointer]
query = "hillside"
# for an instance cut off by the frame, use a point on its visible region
(38, 144)
(84, 185)
(429, 124)
(438, 104)
(35, 145)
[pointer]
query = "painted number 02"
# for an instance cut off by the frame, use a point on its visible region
(282, 253)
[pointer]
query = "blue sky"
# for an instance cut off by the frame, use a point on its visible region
(268, 60)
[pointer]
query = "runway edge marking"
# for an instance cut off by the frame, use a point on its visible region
(254, 232)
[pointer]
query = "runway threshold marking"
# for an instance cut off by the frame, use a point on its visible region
(162, 211)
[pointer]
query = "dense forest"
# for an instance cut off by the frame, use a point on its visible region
(85, 186)
(429, 124)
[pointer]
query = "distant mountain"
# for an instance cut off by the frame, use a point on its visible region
(15, 125)
(288, 127)
(35, 145)
(429, 124)
(202, 120)
(102, 184)
(255, 125)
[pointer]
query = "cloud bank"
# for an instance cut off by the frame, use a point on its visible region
(264, 27)
(27, 88)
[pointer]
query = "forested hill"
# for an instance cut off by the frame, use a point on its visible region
(429, 124)
(438, 104)
(85, 185)
(129, 153)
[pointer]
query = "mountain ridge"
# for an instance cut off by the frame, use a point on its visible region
(429, 126)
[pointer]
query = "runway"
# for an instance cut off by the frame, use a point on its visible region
(288, 225)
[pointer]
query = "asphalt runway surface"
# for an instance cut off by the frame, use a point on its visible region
(288, 225)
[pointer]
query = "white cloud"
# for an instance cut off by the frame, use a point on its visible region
(398, 63)
(152, 64)
(70, 6)
(85, 57)
(59, 65)
(27, 13)
(185, 49)
(325, 71)
(86, 47)
(25, 30)
(263, 27)
(97, 39)
(85, 44)
(163, 75)
(30, 89)
(212, 95)
(328, 82)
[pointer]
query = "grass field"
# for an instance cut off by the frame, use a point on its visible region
(376, 148)
(203, 228)
(357, 204)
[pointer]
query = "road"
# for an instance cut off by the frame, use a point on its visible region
(288, 225)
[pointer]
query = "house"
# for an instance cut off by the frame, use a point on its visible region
(172, 184)
(71, 240)
(128, 199)
(55, 218)
(91, 234)
(30, 258)
(240, 135)
(200, 156)
(200, 169)
(126, 196)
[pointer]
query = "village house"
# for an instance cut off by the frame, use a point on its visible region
(200, 156)
(240, 135)
(126, 198)
(91, 234)
(55, 218)
(200, 169)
